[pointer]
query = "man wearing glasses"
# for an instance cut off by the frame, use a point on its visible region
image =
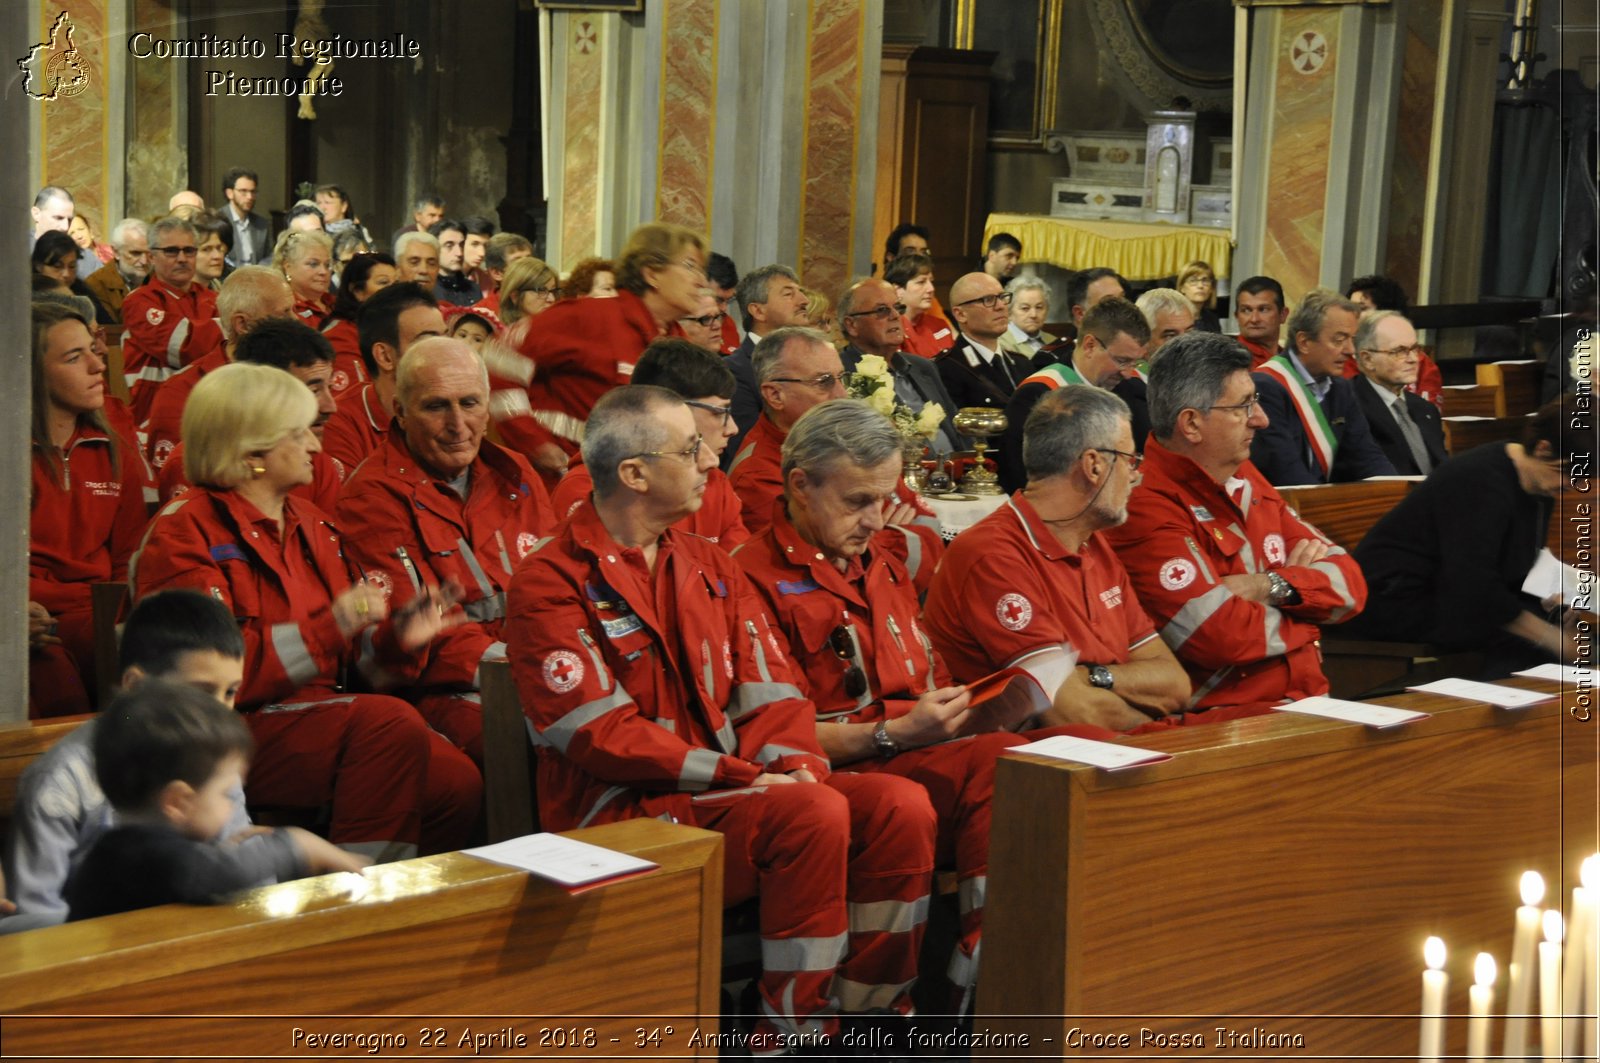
(770, 298)
(655, 685)
(977, 371)
(1317, 432)
(171, 321)
(1405, 426)
(1238, 583)
(872, 323)
(1034, 585)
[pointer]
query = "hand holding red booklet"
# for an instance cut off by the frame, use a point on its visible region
(1008, 699)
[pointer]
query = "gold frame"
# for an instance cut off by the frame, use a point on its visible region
(1047, 67)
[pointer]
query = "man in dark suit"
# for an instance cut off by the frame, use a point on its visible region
(976, 371)
(871, 324)
(1317, 431)
(770, 298)
(1405, 426)
(252, 236)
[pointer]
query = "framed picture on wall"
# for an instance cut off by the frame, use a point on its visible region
(1025, 36)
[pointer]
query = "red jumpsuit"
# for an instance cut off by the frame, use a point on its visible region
(1185, 533)
(403, 529)
(717, 518)
(164, 426)
(166, 330)
(327, 478)
(394, 783)
(928, 335)
(85, 521)
(875, 598)
(357, 428)
(579, 349)
(349, 371)
(666, 693)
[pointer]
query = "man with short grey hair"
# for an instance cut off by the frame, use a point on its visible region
(1238, 583)
(1406, 427)
(769, 298)
(1169, 313)
(1034, 585)
(416, 259)
(1318, 432)
(171, 320)
(111, 283)
(654, 686)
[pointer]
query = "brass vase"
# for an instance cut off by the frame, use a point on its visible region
(981, 423)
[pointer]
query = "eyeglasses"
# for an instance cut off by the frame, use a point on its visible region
(549, 293)
(724, 412)
(1247, 407)
(174, 252)
(822, 381)
(1413, 351)
(1207, 281)
(708, 321)
(1134, 459)
(844, 648)
(688, 454)
(882, 313)
(990, 301)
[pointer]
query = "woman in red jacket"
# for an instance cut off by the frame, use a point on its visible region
(362, 275)
(90, 492)
(552, 369)
(306, 259)
(240, 535)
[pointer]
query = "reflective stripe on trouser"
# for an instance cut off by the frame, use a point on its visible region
(391, 780)
(959, 780)
(799, 847)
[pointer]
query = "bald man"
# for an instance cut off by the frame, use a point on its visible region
(976, 371)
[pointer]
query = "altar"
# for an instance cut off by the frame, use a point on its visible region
(1139, 251)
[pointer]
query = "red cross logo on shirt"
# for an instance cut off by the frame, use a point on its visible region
(562, 671)
(1013, 611)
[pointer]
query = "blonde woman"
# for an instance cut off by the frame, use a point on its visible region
(1198, 283)
(529, 287)
(305, 258)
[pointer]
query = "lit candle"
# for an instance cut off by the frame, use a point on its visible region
(1590, 874)
(1550, 986)
(1519, 989)
(1435, 981)
(1481, 998)
(1576, 961)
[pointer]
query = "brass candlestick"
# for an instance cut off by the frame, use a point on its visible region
(981, 423)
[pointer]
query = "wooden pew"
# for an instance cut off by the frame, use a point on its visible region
(20, 745)
(1461, 436)
(1345, 512)
(1278, 866)
(445, 942)
(106, 600)
(510, 810)
(1470, 400)
(1518, 383)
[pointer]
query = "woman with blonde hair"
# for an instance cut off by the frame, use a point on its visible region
(88, 509)
(306, 260)
(241, 535)
(548, 378)
(1198, 283)
(529, 287)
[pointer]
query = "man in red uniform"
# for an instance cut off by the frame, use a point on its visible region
(171, 320)
(251, 294)
(390, 322)
(1259, 307)
(1236, 580)
(833, 575)
(438, 503)
(1034, 585)
(706, 385)
(656, 686)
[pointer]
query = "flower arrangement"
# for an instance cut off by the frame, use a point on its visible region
(872, 383)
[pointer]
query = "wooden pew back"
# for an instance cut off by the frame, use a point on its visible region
(1345, 512)
(1461, 436)
(1277, 866)
(510, 810)
(20, 745)
(441, 936)
(1518, 383)
(1474, 400)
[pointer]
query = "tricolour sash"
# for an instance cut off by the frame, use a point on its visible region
(1055, 376)
(1318, 432)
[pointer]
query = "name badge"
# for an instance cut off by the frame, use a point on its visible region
(622, 626)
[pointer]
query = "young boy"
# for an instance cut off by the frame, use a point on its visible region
(182, 636)
(168, 758)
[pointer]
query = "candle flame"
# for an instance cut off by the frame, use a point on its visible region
(1483, 969)
(1433, 953)
(1553, 926)
(1532, 888)
(1590, 872)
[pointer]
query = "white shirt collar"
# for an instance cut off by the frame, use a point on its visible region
(1022, 338)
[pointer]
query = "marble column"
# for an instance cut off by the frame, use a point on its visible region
(157, 117)
(80, 132)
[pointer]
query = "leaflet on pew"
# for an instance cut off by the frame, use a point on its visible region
(573, 865)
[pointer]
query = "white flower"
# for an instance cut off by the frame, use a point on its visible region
(929, 420)
(882, 400)
(871, 365)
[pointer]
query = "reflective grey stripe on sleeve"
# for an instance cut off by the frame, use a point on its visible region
(699, 769)
(726, 737)
(927, 649)
(1199, 559)
(487, 609)
(972, 892)
(559, 734)
(1195, 612)
(495, 651)
(505, 557)
(610, 795)
(175, 344)
(767, 754)
(594, 658)
(667, 724)
(298, 706)
(760, 652)
(485, 588)
(861, 997)
(963, 969)
(707, 673)
(290, 646)
(155, 374)
(802, 954)
(1210, 684)
(888, 917)
(1272, 632)
(1247, 553)
(745, 698)
(533, 733)
(508, 403)
(1340, 586)
(913, 549)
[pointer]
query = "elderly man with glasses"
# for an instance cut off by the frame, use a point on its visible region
(872, 324)
(978, 370)
(1406, 428)
(1238, 583)
(171, 321)
(111, 283)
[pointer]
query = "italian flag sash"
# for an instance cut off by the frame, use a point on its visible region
(1318, 432)
(1055, 376)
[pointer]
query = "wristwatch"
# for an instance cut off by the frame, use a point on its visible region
(1281, 590)
(1100, 676)
(886, 746)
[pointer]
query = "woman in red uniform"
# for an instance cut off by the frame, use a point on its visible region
(306, 259)
(88, 508)
(241, 536)
(363, 275)
(551, 370)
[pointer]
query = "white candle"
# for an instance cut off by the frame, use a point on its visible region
(1550, 985)
(1435, 983)
(1519, 988)
(1481, 1000)
(1577, 963)
(1590, 874)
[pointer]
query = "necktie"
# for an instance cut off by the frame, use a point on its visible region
(1413, 436)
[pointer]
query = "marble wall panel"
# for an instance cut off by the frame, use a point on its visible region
(833, 103)
(157, 161)
(685, 157)
(580, 165)
(1302, 129)
(73, 128)
(1408, 181)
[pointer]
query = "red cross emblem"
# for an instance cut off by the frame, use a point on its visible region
(562, 671)
(1013, 611)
